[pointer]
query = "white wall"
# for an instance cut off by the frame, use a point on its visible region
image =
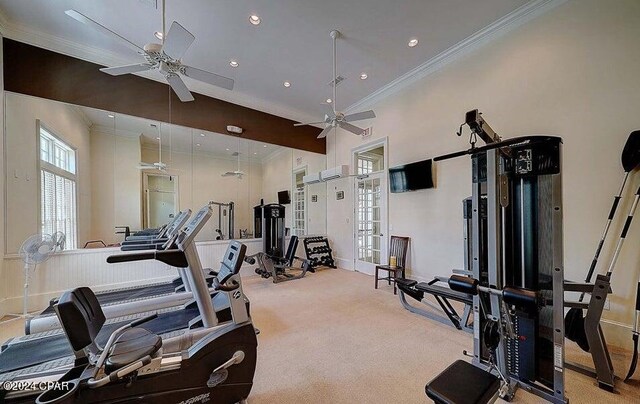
(200, 180)
(571, 72)
(22, 187)
(116, 185)
(277, 176)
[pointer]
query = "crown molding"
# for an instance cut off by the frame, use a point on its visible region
(501, 26)
(513, 20)
(23, 33)
(274, 154)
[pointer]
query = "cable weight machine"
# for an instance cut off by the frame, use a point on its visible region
(517, 254)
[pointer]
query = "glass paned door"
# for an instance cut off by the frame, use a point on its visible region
(371, 222)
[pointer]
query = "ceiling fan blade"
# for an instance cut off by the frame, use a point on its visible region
(309, 123)
(179, 88)
(351, 128)
(119, 70)
(207, 77)
(325, 132)
(177, 42)
(358, 116)
(99, 27)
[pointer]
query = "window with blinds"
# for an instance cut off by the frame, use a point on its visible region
(299, 204)
(58, 206)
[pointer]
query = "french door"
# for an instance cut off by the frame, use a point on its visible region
(371, 221)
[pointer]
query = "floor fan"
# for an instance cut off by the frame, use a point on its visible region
(35, 250)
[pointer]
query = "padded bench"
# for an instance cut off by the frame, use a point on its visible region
(463, 383)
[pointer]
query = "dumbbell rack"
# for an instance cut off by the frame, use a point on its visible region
(318, 252)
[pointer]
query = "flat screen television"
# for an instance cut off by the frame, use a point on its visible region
(284, 198)
(411, 177)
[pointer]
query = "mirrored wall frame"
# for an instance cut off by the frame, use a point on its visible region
(133, 173)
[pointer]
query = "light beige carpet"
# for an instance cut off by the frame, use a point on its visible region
(331, 338)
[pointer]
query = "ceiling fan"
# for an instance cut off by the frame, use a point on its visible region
(332, 118)
(159, 165)
(165, 57)
(236, 173)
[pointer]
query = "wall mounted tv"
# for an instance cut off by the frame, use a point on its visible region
(284, 198)
(411, 177)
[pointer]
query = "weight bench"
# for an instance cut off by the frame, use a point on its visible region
(463, 383)
(417, 291)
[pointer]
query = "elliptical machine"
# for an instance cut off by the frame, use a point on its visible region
(272, 261)
(138, 365)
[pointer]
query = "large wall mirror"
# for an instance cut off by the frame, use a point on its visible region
(92, 174)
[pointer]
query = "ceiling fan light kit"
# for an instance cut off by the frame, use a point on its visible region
(332, 118)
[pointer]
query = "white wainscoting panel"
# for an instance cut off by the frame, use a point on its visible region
(70, 269)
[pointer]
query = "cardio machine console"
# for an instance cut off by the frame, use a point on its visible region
(195, 225)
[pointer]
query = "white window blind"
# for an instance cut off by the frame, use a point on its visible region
(58, 188)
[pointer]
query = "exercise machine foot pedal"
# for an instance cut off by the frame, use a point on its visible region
(463, 383)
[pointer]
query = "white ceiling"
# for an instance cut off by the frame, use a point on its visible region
(292, 43)
(178, 138)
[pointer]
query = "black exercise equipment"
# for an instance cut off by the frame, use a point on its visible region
(636, 334)
(518, 246)
(586, 330)
(219, 358)
(318, 252)
(480, 386)
(462, 382)
(442, 295)
(279, 268)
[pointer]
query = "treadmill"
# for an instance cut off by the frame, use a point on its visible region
(129, 301)
(50, 352)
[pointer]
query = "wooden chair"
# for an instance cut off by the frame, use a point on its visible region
(398, 247)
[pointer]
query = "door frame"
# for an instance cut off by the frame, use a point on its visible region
(294, 171)
(145, 194)
(381, 142)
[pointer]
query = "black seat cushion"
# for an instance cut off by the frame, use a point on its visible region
(133, 344)
(405, 282)
(463, 383)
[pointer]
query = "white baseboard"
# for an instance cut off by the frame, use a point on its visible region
(344, 263)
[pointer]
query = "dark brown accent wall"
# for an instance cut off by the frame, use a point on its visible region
(38, 72)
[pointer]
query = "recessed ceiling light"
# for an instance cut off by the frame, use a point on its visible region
(111, 116)
(329, 100)
(254, 19)
(157, 138)
(202, 135)
(363, 76)
(197, 144)
(227, 149)
(233, 63)
(158, 35)
(413, 42)
(255, 153)
(287, 84)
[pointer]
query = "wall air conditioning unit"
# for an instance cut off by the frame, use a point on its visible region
(335, 172)
(312, 178)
